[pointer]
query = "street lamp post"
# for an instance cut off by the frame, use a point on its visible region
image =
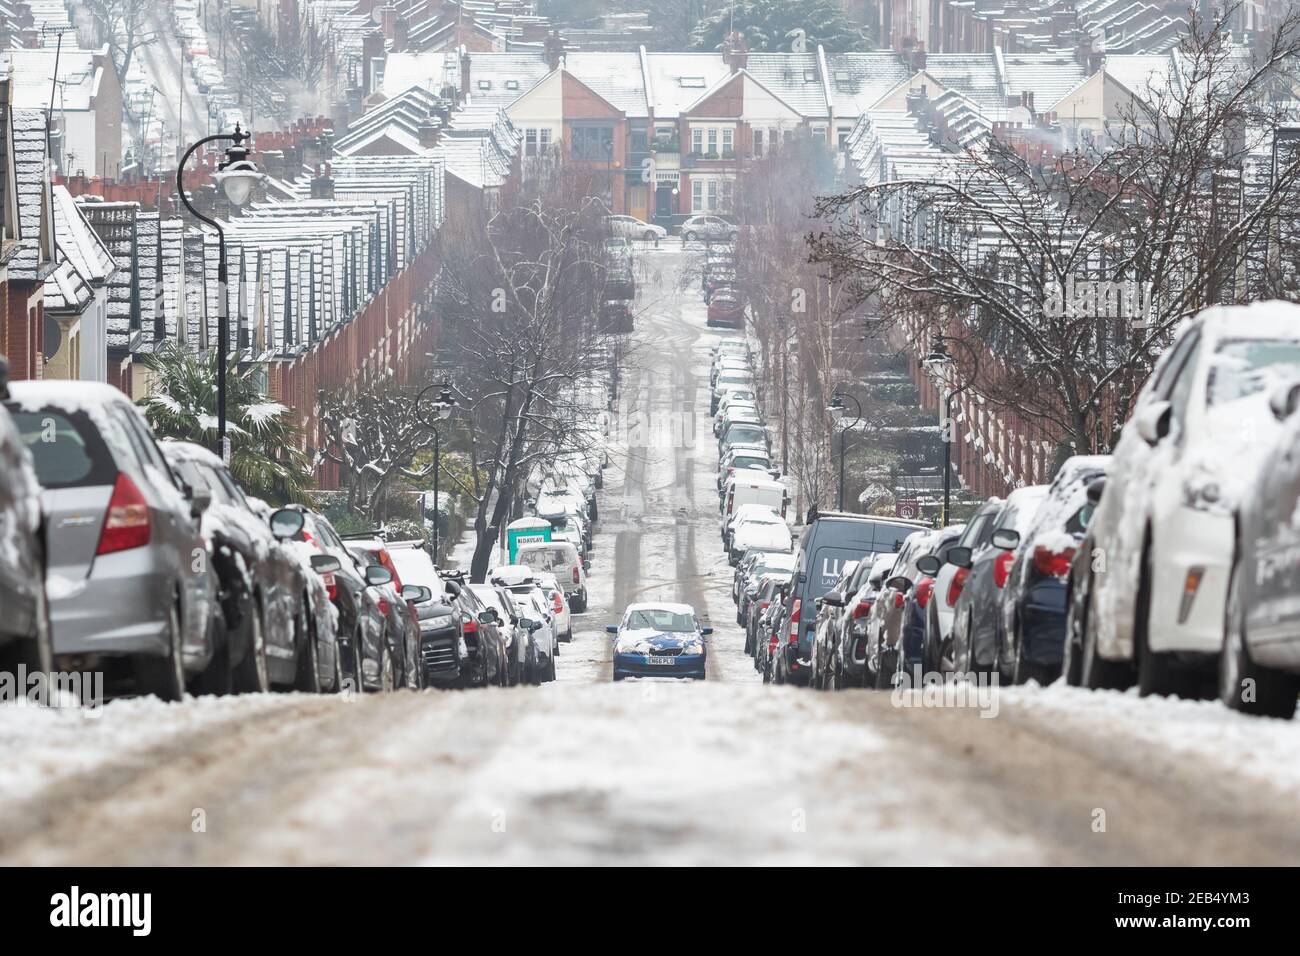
(940, 362)
(836, 409)
(236, 176)
(441, 409)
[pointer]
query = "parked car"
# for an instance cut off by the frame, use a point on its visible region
(561, 616)
(561, 559)
(631, 227)
(885, 623)
(1259, 668)
(362, 627)
(829, 606)
(726, 309)
(750, 489)
(828, 540)
(25, 637)
(403, 619)
(728, 379)
(516, 635)
(121, 533)
(763, 564)
(708, 229)
(849, 653)
(771, 587)
(1034, 599)
(977, 617)
(917, 599)
(536, 615)
(757, 526)
(483, 631)
(659, 640)
(1166, 523)
(936, 648)
(616, 318)
(276, 626)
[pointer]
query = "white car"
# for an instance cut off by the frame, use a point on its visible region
(757, 526)
(561, 559)
(1163, 536)
(948, 584)
(631, 227)
(561, 615)
(711, 228)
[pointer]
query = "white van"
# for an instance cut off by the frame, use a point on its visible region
(750, 489)
(561, 559)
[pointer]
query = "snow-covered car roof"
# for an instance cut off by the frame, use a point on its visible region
(661, 606)
(188, 451)
(512, 575)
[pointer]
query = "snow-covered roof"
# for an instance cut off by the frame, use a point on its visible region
(676, 80)
(614, 76)
(858, 80)
(795, 77)
(33, 77)
(30, 172)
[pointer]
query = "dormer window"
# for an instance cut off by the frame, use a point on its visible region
(512, 84)
(485, 84)
(691, 82)
(810, 76)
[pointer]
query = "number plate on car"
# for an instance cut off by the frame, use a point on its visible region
(659, 660)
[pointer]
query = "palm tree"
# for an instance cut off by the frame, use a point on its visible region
(266, 457)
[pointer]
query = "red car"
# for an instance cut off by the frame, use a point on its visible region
(726, 309)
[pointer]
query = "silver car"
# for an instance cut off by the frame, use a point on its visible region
(126, 568)
(24, 624)
(709, 228)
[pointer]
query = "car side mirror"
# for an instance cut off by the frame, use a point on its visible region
(1284, 401)
(452, 588)
(488, 616)
(833, 598)
(959, 557)
(416, 593)
(325, 564)
(1094, 489)
(928, 565)
(286, 523)
(586, 565)
(200, 501)
(1152, 422)
(377, 575)
(899, 582)
(706, 631)
(1006, 539)
(611, 628)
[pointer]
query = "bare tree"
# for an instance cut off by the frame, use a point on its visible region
(1060, 280)
(519, 298)
(125, 25)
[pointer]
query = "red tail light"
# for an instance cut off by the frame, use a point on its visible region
(862, 609)
(924, 588)
(728, 506)
(470, 627)
(1054, 564)
(771, 644)
(384, 606)
(898, 600)
(331, 586)
(576, 578)
(126, 524)
(558, 603)
(1002, 568)
(762, 605)
(958, 582)
(794, 620)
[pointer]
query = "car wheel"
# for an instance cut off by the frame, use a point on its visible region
(217, 678)
(1243, 685)
(164, 675)
(1158, 673)
(308, 676)
(617, 676)
(1072, 653)
(550, 669)
(749, 643)
(888, 665)
(688, 237)
(649, 236)
(251, 676)
(387, 681)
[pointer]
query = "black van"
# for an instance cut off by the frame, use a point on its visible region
(825, 545)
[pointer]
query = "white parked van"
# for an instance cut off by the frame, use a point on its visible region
(561, 559)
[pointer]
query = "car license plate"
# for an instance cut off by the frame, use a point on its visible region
(660, 660)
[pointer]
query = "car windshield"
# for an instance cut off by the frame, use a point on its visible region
(1244, 367)
(545, 559)
(661, 619)
(746, 461)
(742, 432)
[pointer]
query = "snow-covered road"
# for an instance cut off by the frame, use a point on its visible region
(587, 771)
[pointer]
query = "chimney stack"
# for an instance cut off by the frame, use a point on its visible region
(735, 52)
(918, 58)
(554, 50)
(322, 184)
(464, 75)
(388, 21)
(429, 131)
(401, 35)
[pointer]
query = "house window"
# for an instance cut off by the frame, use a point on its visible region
(697, 195)
(593, 142)
(727, 142)
(713, 195)
(842, 136)
(819, 134)
(758, 143)
(530, 142)
(543, 139)
(713, 140)
(727, 193)
(697, 140)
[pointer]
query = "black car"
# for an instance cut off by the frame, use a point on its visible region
(362, 626)
(25, 624)
(276, 623)
(829, 540)
(770, 588)
(1034, 599)
(482, 655)
(916, 601)
(977, 618)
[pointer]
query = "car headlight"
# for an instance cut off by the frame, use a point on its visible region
(693, 647)
(1202, 491)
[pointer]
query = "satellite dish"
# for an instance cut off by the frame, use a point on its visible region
(377, 13)
(53, 337)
